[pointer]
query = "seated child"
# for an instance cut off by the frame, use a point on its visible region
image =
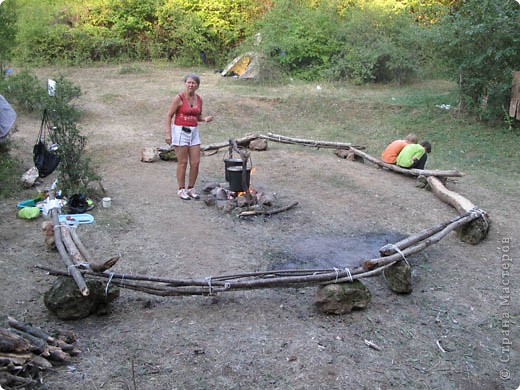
(414, 155)
(390, 153)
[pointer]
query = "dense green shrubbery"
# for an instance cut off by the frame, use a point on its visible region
(24, 90)
(378, 44)
(301, 38)
(78, 32)
(182, 36)
(366, 42)
(357, 40)
(308, 39)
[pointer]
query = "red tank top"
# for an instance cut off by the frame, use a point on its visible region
(187, 115)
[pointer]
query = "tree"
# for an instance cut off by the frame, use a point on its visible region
(7, 32)
(481, 46)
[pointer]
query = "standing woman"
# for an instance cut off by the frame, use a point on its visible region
(183, 134)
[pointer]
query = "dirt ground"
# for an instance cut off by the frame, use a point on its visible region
(264, 339)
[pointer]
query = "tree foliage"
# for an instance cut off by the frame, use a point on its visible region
(362, 41)
(8, 30)
(300, 37)
(379, 43)
(481, 45)
(66, 31)
(357, 40)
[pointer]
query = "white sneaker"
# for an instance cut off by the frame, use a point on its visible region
(183, 194)
(193, 194)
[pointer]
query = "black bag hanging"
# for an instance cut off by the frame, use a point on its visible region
(44, 160)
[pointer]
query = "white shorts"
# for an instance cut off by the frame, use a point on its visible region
(184, 138)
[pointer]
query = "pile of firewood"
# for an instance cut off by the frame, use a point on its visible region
(64, 238)
(26, 351)
(243, 204)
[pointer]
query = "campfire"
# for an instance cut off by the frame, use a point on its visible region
(237, 195)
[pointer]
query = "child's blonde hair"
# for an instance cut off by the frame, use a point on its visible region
(411, 138)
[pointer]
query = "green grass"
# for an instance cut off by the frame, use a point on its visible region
(374, 115)
(482, 150)
(132, 68)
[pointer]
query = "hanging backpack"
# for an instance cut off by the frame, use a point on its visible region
(45, 160)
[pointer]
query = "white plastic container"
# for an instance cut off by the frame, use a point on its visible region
(107, 202)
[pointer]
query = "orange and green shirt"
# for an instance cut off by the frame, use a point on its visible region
(409, 154)
(389, 155)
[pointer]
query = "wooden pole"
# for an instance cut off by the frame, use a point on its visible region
(244, 141)
(249, 213)
(307, 142)
(381, 261)
(270, 279)
(71, 268)
(390, 249)
(72, 250)
(94, 265)
(460, 203)
(82, 249)
(410, 172)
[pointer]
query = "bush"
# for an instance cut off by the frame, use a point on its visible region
(203, 31)
(24, 90)
(75, 170)
(300, 38)
(75, 173)
(378, 44)
(69, 32)
(360, 43)
(182, 36)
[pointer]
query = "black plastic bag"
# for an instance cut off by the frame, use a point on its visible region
(44, 160)
(77, 204)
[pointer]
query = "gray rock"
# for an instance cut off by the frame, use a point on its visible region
(341, 298)
(209, 187)
(475, 231)
(398, 277)
(65, 300)
(258, 144)
(167, 155)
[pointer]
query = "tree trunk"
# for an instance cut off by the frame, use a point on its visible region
(244, 141)
(411, 172)
(307, 142)
(473, 232)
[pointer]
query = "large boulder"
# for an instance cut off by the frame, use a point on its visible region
(65, 300)
(341, 298)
